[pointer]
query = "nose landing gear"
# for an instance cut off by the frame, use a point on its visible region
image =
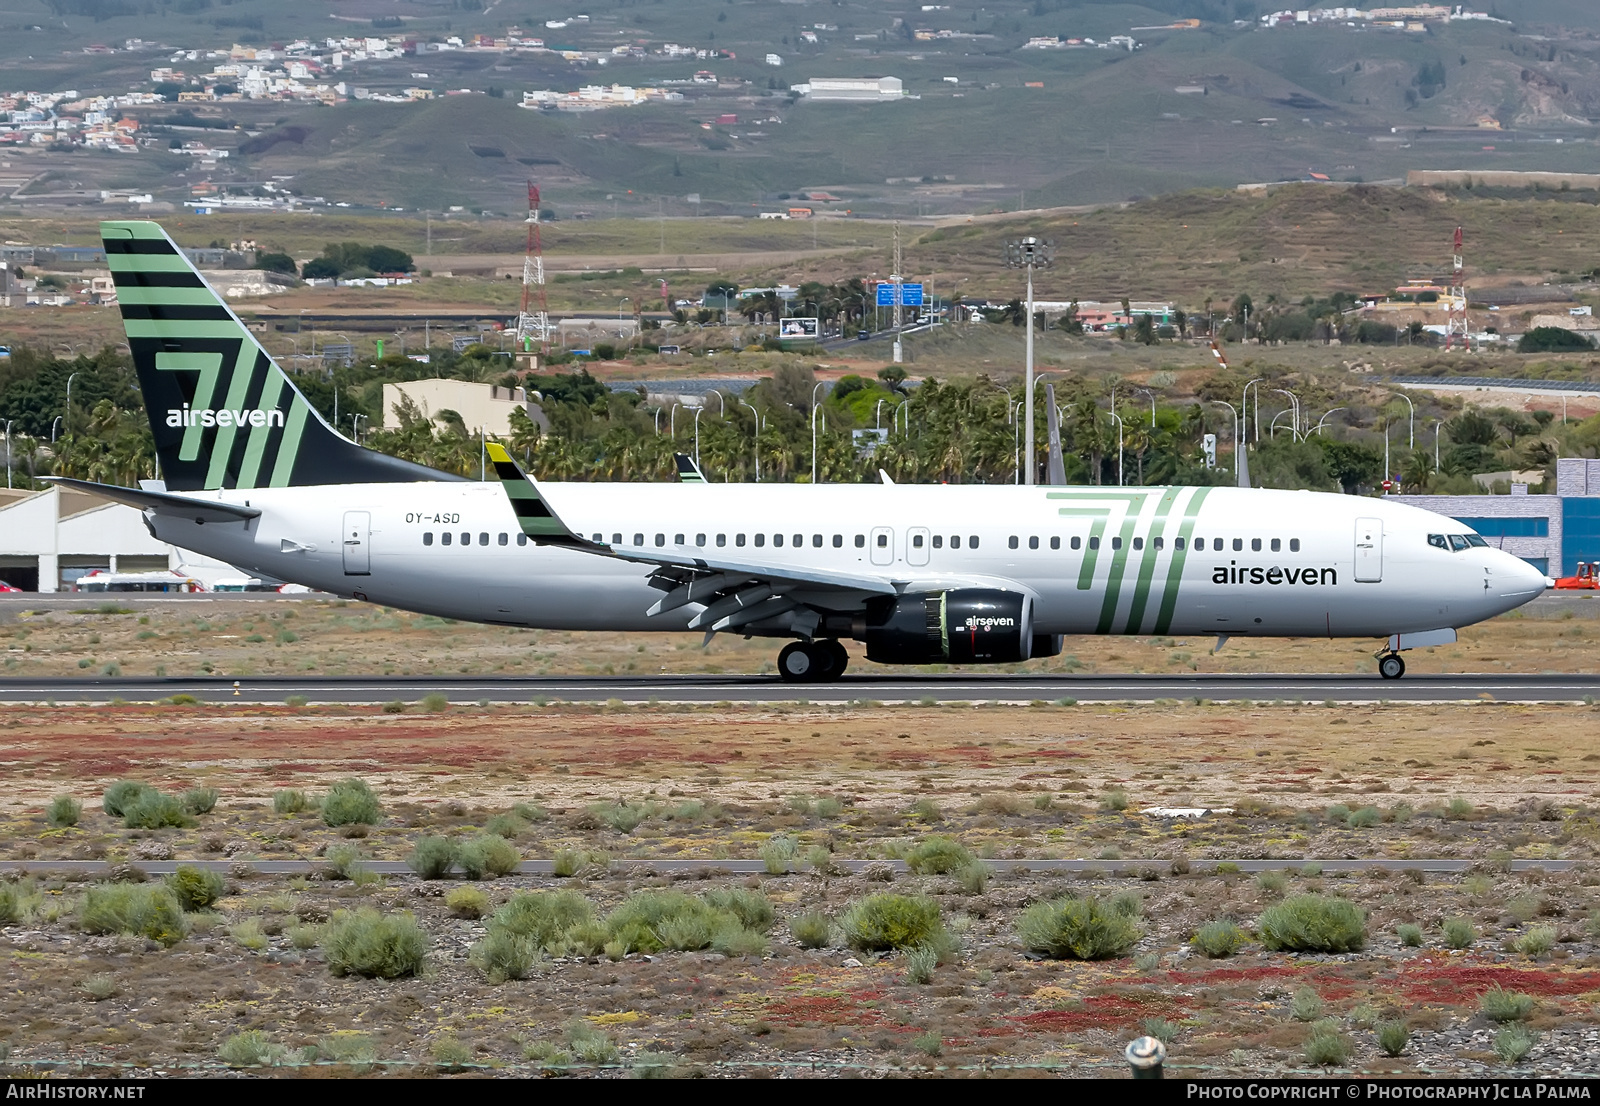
(1391, 666)
(812, 662)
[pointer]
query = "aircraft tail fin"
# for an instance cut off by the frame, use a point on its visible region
(688, 471)
(223, 413)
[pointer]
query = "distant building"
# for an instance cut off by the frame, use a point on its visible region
(1551, 532)
(485, 407)
(853, 89)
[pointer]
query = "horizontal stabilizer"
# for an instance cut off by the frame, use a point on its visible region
(165, 503)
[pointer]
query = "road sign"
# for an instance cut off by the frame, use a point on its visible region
(910, 295)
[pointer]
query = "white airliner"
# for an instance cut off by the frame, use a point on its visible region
(916, 574)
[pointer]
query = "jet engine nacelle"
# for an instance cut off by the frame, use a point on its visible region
(962, 626)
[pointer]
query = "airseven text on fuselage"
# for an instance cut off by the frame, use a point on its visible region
(206, 416)
(1231, 573)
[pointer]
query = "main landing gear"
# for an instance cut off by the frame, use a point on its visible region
(810, 662)
(1391, 666)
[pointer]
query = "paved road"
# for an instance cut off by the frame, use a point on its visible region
(769, 689)
(1124, 868)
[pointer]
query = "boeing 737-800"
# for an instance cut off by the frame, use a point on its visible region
(916, 574)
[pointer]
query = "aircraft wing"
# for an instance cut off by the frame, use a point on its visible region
(163, 503)
(732, 592)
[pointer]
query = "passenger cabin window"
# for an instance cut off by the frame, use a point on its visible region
(883, 541)
(1116, 543)
(799, 540)
(1177, 543)
(1255, 545)
(466, 539)
(1276, 545)
(1238, 544)
(1138, 543)
(916, 541)
(722, 540)
(616, 539)
(861, 541)
(972, 542)
(777, 541)
(699, 539)
(816, 541)
(1033, 543)
(1160, 542)
(661, 539)
(1094, 543)
(938, 541)
(838, 541)
(677, 539)
(738, 540)
(1055, 543)
(638, 539)
(1294, 545)
(761, 539)
(1012, 541)
(955, 541)
(522, 539)
(483, 539)
(1076, 541)
(505, 539)
(444, 538)
(427, 538)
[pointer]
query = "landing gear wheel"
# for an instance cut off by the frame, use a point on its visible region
(800, 663)
(840, 655)
(1391, 666)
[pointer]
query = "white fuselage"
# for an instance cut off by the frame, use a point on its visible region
(1094, 560)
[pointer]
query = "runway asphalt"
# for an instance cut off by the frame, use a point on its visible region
(928, 689)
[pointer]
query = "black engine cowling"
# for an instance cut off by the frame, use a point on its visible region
(964, 626)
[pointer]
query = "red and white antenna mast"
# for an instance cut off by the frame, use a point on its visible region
(1456, 324)
(533, 322)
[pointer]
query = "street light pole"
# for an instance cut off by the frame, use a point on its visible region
(1026, 254)
(755, 438)
(819, 384)
(1244, 408)
(68, 421)
(1119, 447)
(8, 453)
(1235, 415)
(1411, 438)
(1318, 428)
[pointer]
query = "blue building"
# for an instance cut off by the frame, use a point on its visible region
(1551, 532)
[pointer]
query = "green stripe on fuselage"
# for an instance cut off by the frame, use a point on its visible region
(1180, 553)
(1147, 563)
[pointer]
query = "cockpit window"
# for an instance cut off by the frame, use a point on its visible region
(1437, 541)
(1458, 542)
(1476, 542)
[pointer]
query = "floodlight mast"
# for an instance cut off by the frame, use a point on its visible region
(533, 322)
(1028, 253)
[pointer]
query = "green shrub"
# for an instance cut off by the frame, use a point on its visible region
(929, 1043)
(1393, 1036)
(752, 908)
(926, 810)
(568, 862)
(64, 811)
(1306, 1005)
(1536, 941)
(1513, 1043)
(289, 801)
(810, 930)
(590, 1045)
(1458, 933)
(432, 857)
(622, 817)
(531, 812)
(503, 955)
(196, 888)
(383, 946)
(938, 855)
(154, 810)
(653, 920)
(1127, 904)
(829, 807)
(296, 701)
(394, 706)
(1275, 882)
(504, 825)
(736, 940)
(890, 921)
(1313, 923)
(488, 856)
(345, 862)
(778, 853)
(305, 936)
(349, 1046)
(100, 987)
(1218, 939)
(251, 1049)
(1327, 1044)
(435, 702)
(466, 902)
(1338, 812)
(249, 935)
(1365, 818)
(1114, 800)
(351, 802)
(973, 878)
(1410, 935)
(920, 963)
(1458, 809)
(449, 1054)
(121, 795)
(1161, 1029)
(11, 908)
(143, 910)
(547, 917)
(1499, 1005)
(200, 800)
(1073, 928)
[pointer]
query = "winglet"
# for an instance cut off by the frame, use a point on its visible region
(688, 471)
(534, 515)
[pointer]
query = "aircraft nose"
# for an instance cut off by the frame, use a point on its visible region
(1515, 578)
